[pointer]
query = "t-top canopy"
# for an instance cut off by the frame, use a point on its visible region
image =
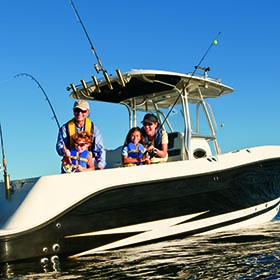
(144, 85)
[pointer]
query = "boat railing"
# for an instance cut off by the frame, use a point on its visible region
(216, 80)
(206, 137)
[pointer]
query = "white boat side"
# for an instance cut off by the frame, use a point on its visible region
(52, 195)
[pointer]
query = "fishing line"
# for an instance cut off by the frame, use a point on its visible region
(5, 81)
(46, 96)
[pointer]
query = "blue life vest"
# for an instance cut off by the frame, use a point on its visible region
(81, 159)
(134, 152)
(157, 138)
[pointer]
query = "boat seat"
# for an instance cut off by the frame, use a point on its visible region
(114, 157)
(176, 150)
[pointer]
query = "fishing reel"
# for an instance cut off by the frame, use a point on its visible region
(69, 168)
(151, 153)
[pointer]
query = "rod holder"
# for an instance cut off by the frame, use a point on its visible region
(7, 186)
(74, 90)
(96, 84)
(120, 76)
(85, 87)
(107, 80)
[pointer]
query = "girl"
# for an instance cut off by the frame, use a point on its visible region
(133, 153)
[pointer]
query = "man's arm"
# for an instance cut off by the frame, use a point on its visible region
(61, 141)
(99, 151)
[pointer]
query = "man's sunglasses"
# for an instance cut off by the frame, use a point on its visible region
(77, 110)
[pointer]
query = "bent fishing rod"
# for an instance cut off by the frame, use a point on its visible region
(99, 65)
(6, 175)
(46, 96)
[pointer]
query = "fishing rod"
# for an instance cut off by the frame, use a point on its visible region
(46, 96)
(98, 66)
(197, 67)
(6, 175)
(48, 100)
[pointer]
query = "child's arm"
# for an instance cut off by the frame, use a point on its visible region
(90, 163)
(126, 160)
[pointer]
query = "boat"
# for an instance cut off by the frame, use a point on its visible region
(199, 190)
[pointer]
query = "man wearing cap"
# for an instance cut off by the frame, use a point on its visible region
(156, 139)
(80, 122)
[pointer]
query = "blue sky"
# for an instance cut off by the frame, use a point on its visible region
(45, 40)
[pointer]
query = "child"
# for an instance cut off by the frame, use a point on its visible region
(79, 159)
(134, 153)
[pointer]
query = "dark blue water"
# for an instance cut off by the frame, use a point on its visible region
(248, 254)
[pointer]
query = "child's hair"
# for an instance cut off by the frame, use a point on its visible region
(128, 137)
(83, 135)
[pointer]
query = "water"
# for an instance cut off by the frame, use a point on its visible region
(249, 254)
